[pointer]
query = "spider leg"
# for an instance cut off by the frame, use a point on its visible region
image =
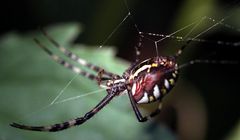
(71, 123)
(179, 52)
(68, 65)
(137, 111)
(138, 48)
(99, 76)
(135, 108)
(206, 61)
(137, 53)
(74, 57)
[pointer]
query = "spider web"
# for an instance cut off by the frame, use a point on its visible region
(156, 39)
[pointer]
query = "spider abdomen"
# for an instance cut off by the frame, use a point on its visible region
(153, 78)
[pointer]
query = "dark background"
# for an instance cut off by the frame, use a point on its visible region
(219, 82)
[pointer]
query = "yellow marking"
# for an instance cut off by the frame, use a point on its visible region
(171, 81)
(160, 106)
(163, 91)
(174, 75)
(154, 64)
(151, 98)
(131, 77)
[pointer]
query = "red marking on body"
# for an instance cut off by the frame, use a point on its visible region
(139, 90)
(151, 80)
(146, 84)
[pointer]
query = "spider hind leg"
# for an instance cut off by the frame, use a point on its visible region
(137, 112)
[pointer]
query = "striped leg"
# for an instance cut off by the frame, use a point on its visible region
(71, 123)
(179, 52)
(137, 53)
(68, 65)
(74, 57)
(135, 108)
(205, 61)
(138, 48)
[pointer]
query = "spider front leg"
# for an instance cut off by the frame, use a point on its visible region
(138, 48)
(73, 56)
(100, 76)
(104, 76)
(71, 123)
(137, 55)
(137, 111)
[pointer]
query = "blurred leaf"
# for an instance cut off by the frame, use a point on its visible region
(30, 80)
(235, 134)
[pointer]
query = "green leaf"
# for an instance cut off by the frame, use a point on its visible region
(30, 81)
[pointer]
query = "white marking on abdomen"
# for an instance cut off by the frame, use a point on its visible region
(156, 91)
(144, 98)
(166, 83)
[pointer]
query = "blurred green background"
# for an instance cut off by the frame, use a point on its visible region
(203, 105)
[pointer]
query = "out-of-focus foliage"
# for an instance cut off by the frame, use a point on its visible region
(30, 81)
(235, 134)
(203, 104)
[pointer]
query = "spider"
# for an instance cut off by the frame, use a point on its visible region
(145, 82)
